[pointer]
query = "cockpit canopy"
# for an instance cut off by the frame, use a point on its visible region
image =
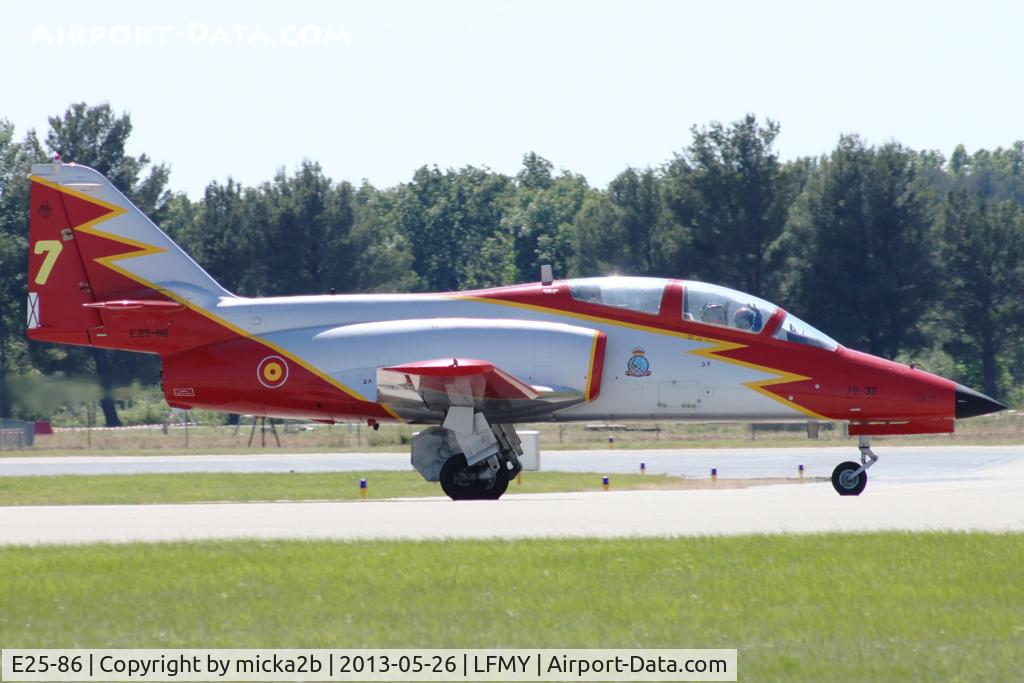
(641, 294)
(702, 303)
(714, 305)
(794, 329)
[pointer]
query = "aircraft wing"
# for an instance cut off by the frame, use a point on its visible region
(436, 385)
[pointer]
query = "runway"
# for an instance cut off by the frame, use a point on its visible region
(988, 495)
(898, 464)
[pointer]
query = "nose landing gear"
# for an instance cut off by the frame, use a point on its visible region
(849, 478)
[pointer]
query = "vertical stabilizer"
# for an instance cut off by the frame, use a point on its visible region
(88, 245)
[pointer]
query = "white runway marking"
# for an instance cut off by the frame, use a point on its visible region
(993, 503)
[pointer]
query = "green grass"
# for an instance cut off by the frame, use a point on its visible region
(123, 489)
(873, 607)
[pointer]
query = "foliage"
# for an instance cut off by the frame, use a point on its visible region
(730, 193)
(982, 253)
(861, 257)
(854, 241)
(14, 158)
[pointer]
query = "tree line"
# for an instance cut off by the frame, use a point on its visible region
(898, 252)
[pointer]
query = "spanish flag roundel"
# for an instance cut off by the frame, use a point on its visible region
(272, 372)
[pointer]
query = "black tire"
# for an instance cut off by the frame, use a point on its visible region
(454, 482)
(460, 484)
(845, 483)
(500, 486)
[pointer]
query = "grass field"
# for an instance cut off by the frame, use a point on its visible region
(208, 487)
(873, 607)
(1006, 428)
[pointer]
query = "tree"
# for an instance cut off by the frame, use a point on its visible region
(536, 173)
(15, 159)
(982, 257)
(853, 241)
(539, 218)
(996, 174)
(305, 246)
(448, 218)
(862, 263)
(731, 194)
(602, 246)
(383, 260)
(637, 197)
(219, 233)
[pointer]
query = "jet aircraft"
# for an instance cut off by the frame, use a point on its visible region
(465, 365)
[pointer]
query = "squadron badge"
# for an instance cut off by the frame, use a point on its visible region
(638, 365)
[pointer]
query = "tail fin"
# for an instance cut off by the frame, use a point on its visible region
(90, 248)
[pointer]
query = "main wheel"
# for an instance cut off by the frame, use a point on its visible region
(500, 485)
(459, 481)
(456, 480)
(845, 480)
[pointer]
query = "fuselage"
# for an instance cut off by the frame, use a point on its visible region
(657, 363)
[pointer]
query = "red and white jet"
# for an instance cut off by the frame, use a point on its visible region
(469, 364)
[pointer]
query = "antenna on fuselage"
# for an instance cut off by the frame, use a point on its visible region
(546, 275)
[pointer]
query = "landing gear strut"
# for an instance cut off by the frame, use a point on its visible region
(849, 478)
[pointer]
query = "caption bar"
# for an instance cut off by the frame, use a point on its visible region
(367, 665)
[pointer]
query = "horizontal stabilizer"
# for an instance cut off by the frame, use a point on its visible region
(145, 305)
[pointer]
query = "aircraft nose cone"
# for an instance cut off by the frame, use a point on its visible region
(970, 403)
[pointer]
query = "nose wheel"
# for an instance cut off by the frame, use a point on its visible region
(849, 478)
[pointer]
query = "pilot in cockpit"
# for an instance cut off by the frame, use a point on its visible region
(748, 318)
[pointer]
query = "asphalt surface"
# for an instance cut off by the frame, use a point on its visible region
(913, 489)
(897, 464)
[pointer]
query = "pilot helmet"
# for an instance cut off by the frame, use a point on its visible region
(745, 318)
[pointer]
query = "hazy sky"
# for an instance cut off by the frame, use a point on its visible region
(376, 89)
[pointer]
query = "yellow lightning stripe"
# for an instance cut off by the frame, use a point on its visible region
(719, 346)
(760, 386)
(114, 209)
(141, 249)
(147, 249)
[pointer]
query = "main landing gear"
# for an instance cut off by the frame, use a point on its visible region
(849, 478)
(472, 459)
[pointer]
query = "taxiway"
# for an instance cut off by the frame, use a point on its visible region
(977, 489)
